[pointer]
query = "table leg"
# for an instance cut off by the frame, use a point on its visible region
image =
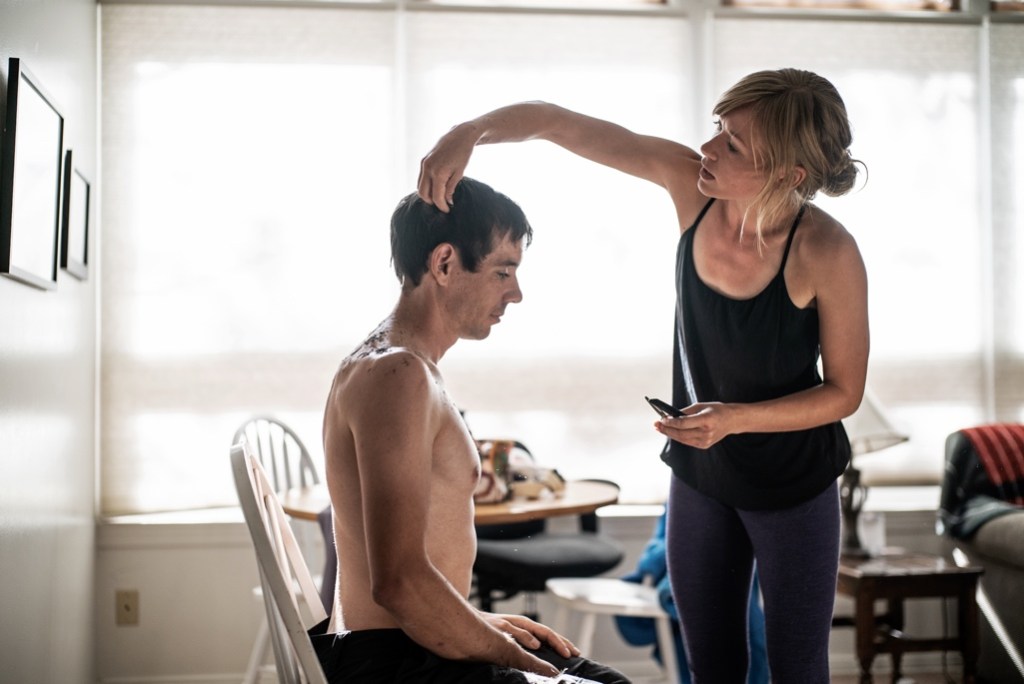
(897, 660)
(896, 625)
(865, 670)
(864, 619)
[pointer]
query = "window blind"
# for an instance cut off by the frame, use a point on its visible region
(252, 157)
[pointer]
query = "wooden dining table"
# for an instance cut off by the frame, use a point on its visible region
(579, 497)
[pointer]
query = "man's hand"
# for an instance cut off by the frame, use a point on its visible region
(523, 633)
(531, 634)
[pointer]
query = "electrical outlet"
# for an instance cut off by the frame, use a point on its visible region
(126, 608)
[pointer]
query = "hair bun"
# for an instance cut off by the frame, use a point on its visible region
(842, 178)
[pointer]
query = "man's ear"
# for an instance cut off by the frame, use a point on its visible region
(442, 260)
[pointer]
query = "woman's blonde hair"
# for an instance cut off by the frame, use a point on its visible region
(799, 119)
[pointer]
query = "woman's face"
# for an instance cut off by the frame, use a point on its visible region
(727, 168)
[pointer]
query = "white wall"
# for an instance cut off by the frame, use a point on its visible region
(198, 615)
(47, 389)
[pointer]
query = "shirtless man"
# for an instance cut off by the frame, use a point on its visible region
(402, 466)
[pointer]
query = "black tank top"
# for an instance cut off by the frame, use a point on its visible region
(748, 350)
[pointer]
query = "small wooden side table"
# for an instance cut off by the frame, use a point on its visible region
(895, 576)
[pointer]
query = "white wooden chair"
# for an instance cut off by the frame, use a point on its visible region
(289, 594)
(593, 596)
(284, 457)
(288, 463)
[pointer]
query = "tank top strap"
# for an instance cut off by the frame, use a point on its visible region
(792, 232)
(700, 216)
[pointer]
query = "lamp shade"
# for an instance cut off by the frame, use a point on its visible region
(869, 429)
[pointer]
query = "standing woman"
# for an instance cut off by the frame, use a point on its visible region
(766, 284)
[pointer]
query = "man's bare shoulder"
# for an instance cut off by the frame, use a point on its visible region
(367, 372)
(380, 378)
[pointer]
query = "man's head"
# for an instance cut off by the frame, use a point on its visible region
(479, 218)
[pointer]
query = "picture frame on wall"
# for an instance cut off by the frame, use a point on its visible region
(74, 235)
(31, 159)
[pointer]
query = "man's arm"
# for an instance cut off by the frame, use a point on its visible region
(666, 163)
(394, 426)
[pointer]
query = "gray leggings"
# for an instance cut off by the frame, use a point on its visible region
(711, 553)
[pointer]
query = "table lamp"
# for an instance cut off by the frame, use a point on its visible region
(869, 430)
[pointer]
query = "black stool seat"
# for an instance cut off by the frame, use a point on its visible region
(506, 567)
(532, 561)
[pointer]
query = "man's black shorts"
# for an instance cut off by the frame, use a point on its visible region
(388, 656)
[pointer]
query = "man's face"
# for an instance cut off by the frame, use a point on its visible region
(478, 300)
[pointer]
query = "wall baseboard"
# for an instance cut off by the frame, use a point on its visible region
(640, 670)
(181, 679)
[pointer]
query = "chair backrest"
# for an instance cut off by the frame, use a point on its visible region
(283, 455)
(289, 594)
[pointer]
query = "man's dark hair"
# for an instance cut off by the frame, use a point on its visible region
(477, 217)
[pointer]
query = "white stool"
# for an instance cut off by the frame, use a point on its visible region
(603, 596)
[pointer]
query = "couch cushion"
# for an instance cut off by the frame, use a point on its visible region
(1002, 539)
